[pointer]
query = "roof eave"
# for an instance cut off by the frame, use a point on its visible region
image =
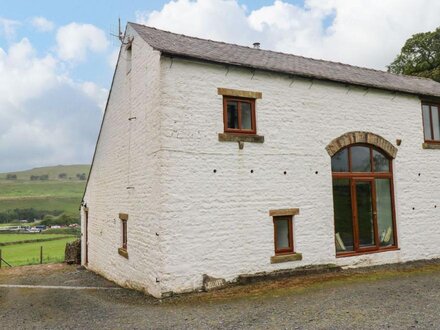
(296, 74)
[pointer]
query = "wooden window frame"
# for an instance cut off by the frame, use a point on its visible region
(290, 249)
(239, 101)
(367, 176)
(124, 235)
(430, 105)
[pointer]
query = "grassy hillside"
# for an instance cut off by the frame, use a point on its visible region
(52, 171)
(61, 190)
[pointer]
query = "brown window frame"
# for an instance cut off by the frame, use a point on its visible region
(290, 249)
(239, 101)
(124, 235)
(368, 176)
(430, 104)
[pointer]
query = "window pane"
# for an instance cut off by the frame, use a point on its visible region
(435, 123)
(246, 116)
(380, 162)
(343, 217)
(384, 212)
(282, 232)
(364, 204)
(232, 114)
(360, 159)
(426, 122)
(340, 161)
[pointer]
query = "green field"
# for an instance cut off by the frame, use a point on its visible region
(29, 253)
(48, 195)
(6, 238)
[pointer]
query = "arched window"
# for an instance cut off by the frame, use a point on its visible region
(363, 200)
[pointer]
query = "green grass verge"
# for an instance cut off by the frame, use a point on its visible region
(7, 238)
(29, 253)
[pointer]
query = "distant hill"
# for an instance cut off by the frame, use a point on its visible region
(53, 172)
(53, 188)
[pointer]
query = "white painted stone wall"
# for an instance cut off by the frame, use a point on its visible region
(186, 221)
(218, 223)
(126, 174)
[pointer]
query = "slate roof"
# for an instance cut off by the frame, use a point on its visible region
(219, 52)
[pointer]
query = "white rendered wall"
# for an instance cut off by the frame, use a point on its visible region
(218, 223)
(125, 175)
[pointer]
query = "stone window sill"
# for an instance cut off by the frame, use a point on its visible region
(285, 258)
(430, 145)
(235, 137)
(123, 252)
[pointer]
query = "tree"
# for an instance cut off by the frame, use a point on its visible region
(11, 177)
(420, 56)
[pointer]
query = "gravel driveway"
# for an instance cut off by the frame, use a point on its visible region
(396, 297)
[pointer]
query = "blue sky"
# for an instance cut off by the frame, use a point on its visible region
(102, 13)
(57, 57)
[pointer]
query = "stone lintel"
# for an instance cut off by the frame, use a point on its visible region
(239, 93)
(281, 212)
(123, 216)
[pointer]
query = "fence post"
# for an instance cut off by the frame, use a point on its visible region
(41, 255)
(0, 258)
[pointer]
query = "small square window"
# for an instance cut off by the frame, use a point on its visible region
(239, 115)
(283, 234)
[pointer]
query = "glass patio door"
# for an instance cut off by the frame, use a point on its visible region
(364, 215)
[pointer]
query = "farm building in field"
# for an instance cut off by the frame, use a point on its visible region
(222, 160)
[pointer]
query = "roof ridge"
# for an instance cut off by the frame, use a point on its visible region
(287, 54)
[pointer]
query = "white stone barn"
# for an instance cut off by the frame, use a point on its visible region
(225, 160)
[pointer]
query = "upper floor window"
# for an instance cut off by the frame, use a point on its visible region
(239, 115)
(431, 122)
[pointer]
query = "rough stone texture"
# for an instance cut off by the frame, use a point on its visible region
(285, 258)
(213, 283)
(430, 146)
(281, 212)
(231, 137)
(72, 252)
(239, 93)
(187, 220)
(218, 223)
(361, 137)
(125, 177)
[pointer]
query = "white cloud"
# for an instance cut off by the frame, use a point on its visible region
(45, 116)
(75, 40)
(8, 27)
(113, 58)
(96, 93)
(361, 33)
(42, 24)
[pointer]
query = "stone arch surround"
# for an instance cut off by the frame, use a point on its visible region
(361, 137)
